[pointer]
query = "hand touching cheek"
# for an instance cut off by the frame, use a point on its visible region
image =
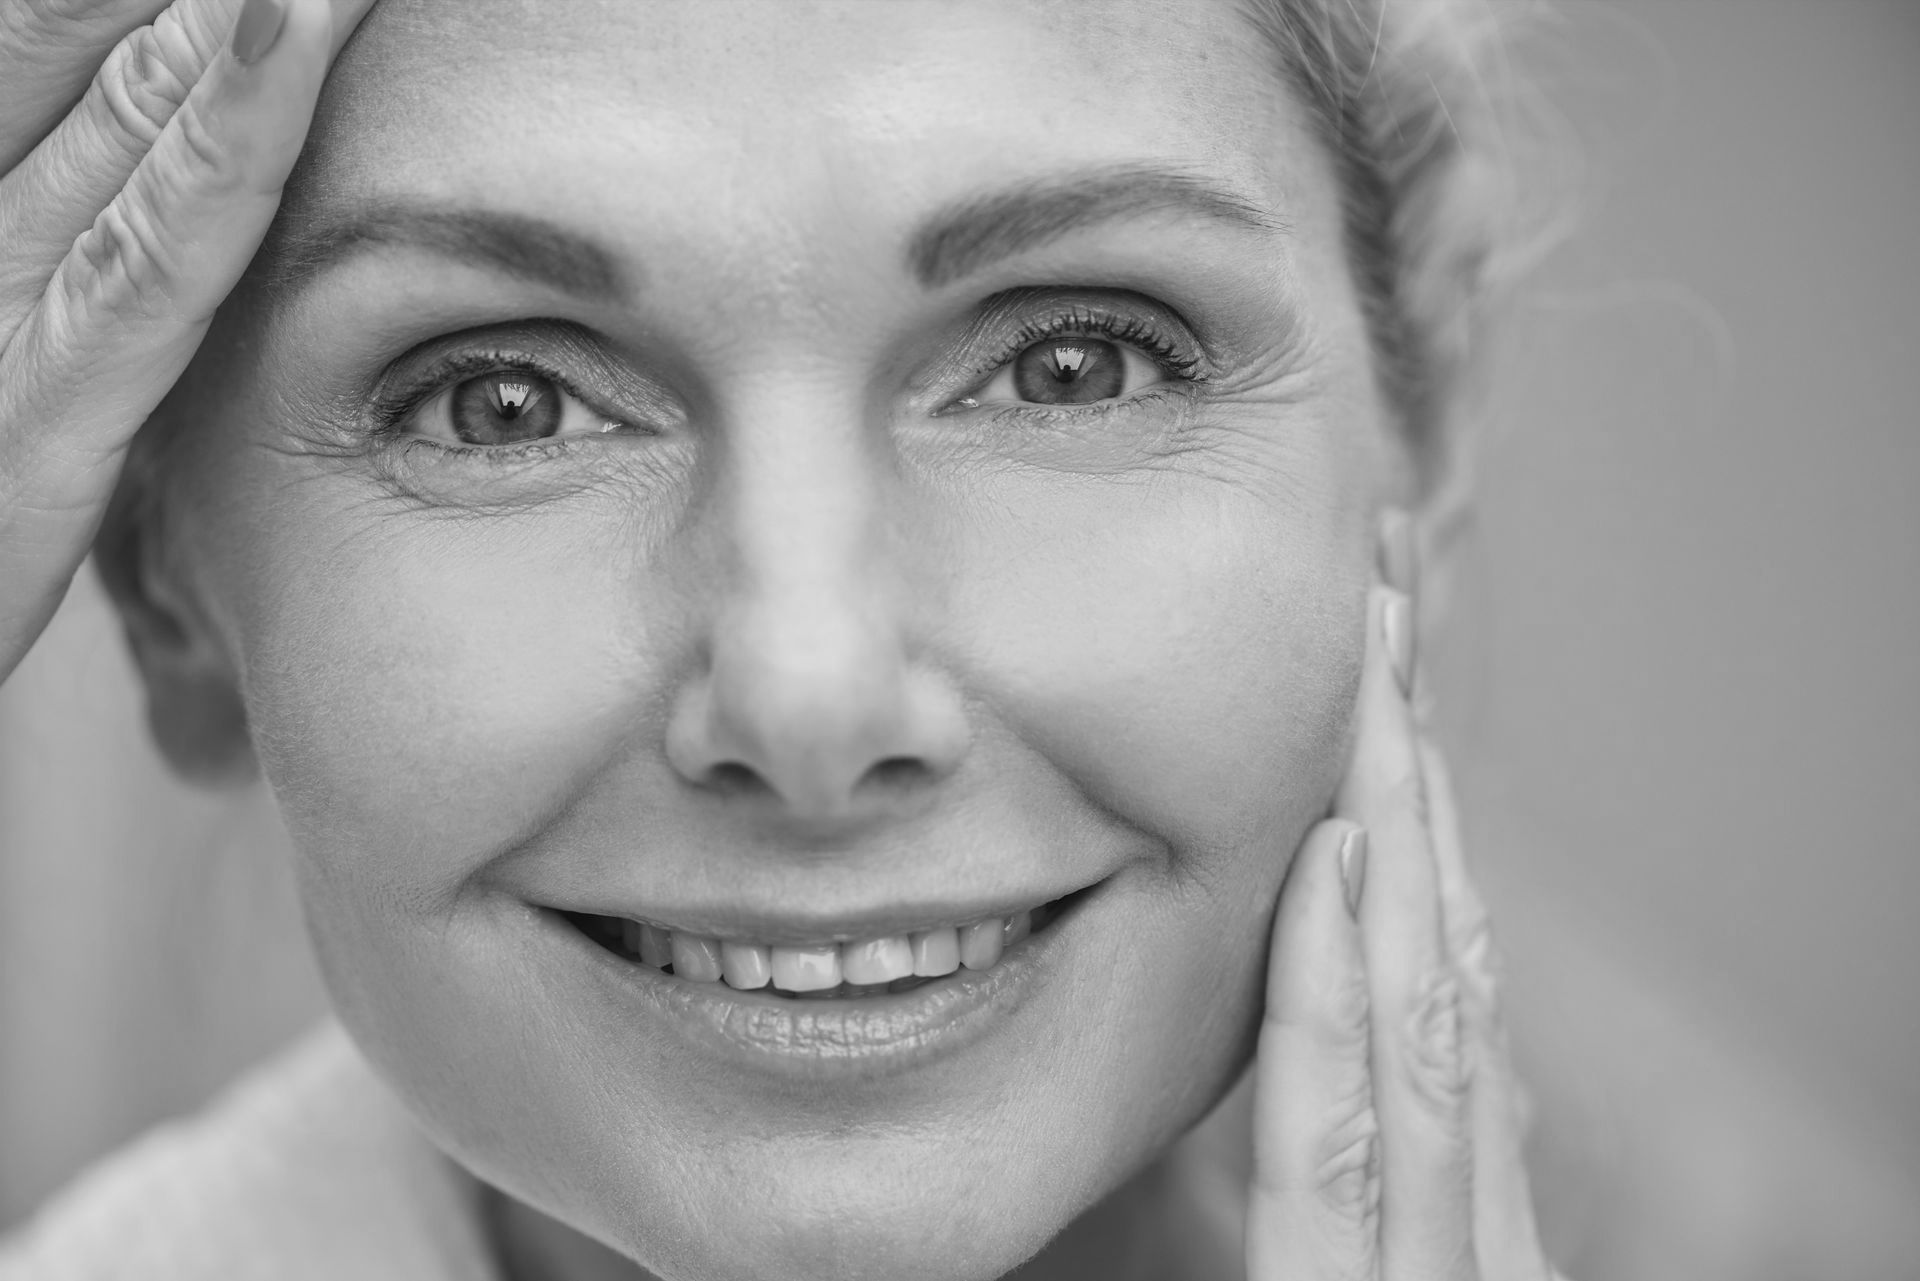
(1387, 1141)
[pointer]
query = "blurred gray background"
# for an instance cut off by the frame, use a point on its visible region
(1681, 683)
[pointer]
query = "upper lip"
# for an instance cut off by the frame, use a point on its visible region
(801, 928)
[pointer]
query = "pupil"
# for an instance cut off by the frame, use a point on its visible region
(1069, 371)
(505, 408)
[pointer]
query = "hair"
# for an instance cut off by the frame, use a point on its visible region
(1408, 98)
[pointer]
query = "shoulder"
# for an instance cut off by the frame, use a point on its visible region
(306, 1168)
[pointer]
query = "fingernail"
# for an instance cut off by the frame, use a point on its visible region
(255, 30)
(1399, 568)
(1353, 868)
(1396, 626)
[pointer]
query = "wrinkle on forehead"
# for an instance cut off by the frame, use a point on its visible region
(776, 147)
(873, 71)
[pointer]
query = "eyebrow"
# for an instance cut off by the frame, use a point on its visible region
(529, 248)
(953, 243)
(969, 236)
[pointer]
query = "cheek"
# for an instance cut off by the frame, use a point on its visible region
(439, 686)
(1186, 648)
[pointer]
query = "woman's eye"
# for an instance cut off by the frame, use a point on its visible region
(505, 409)
(508, 407)
(1069, 371)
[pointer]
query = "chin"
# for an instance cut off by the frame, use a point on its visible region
(866, 1223)
(718, 1166)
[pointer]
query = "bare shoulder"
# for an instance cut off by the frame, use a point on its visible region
(307, 1167)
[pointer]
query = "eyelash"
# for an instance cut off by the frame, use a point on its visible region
(1177, 360)
(391, 412)
(1131, 330)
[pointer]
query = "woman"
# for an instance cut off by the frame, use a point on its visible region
(821, 591)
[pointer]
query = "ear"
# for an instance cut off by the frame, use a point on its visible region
(193, 698)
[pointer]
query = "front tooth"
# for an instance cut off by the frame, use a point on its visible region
(877, 960)
(1019, 925)
(696, 958)
(936, 952)
(806, 969)
(980, 942)
(630, 937)
(656, 946)
(746, 965)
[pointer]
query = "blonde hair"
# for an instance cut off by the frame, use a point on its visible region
(1413, 103)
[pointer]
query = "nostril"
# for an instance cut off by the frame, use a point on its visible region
(894, 776)
(732, 778)
(897, 773)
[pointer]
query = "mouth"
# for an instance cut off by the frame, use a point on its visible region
(871, 995)
(833, 970)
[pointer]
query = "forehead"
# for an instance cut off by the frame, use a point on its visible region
(775, 117)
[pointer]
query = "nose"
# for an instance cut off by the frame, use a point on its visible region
(813, 701)
(814, 707)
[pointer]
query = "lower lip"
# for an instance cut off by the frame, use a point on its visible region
(860, 1036)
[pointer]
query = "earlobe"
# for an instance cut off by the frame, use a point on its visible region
(199, 723)
(194, 709)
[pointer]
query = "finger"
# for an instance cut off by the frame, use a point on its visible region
(1420, 1081)
(1399, 552)
(48, 50)
(1313, 1208)
(1505, 1235)
(130, 302)
(52, 195)
(60, 186)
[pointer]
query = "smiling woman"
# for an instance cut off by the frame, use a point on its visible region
(802, 576)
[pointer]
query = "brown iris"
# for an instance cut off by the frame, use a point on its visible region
(1069, 371)
(505, 409)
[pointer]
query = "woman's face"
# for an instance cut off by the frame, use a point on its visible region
(795, 474)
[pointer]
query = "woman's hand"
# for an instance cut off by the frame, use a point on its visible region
(139, 168)
(1387, 1138)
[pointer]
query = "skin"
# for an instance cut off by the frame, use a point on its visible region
(1118, 645)
(491, 687)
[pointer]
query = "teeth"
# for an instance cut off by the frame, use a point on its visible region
(804, 969)
(980, 943)
(656, 946)
(696, 958)
(877, 960)
(936, 952)
(868, 967)
(1019, 925)
(746, 965)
